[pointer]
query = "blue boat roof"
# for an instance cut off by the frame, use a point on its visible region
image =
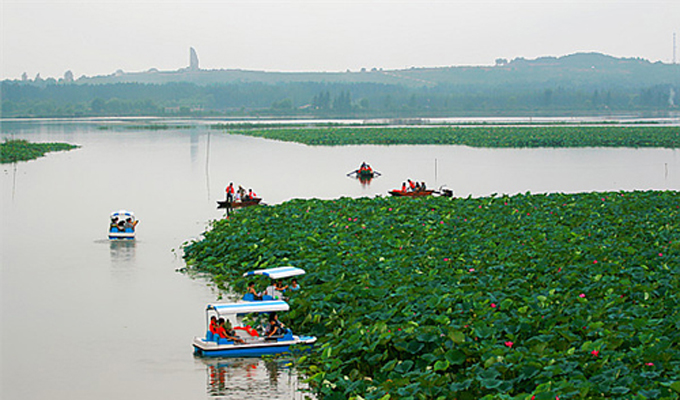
(247, 307)
(277, 273)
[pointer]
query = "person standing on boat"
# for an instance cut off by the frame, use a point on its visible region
(230, 192)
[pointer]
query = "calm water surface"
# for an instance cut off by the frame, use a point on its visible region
(82, 317)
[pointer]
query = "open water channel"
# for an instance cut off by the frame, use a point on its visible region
(85, 318)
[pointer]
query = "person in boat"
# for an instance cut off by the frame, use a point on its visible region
(114, 223)
(241, 193)
(422, 186)
(129, 224)
(411, 185)
(251, 195)
(230, 192)
(417, 188)
(294, 285)
(213, 325)
(275, 327)
(280, 286)
(225, 331)
(403, 187)
(251, 290)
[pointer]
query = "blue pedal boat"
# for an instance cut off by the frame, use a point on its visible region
(123, 224)
(274, 274)
(254, 342)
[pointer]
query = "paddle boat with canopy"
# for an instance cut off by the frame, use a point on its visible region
(274, 274)
(254, 343)
(123, 224)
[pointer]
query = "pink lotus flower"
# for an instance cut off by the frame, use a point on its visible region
(446, 259)
(660, 254)
(472, 270)
(582, 295)
(390, 209)
(594, 261)
(493, 305)
(649, 364)
(509, 343)
(595, 353)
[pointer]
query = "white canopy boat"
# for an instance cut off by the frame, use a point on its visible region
(123, 224)
(274, 274)
(255, 343)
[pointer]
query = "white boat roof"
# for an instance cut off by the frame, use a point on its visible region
(125, 213)
(277, 273)
(247, 307)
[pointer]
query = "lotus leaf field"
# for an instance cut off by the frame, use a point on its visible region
(481, 136)
(21, 150)
(569, 296)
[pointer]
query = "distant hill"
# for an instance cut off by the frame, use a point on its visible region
(575, 70)
(577, 84)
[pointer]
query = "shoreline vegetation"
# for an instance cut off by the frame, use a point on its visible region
(476, 136)
(15, 150)
(568, 295)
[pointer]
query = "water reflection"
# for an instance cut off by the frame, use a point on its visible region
(238, 378)
(122, 251)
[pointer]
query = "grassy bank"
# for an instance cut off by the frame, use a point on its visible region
(576, 296)
(22, 150)
(481, 136)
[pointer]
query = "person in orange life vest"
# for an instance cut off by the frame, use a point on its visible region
(213, 325)
(411, 185)
(230, 192)
(226, 332)
(403, 187)
(251, 194)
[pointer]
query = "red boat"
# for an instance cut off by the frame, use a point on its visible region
(417, 193)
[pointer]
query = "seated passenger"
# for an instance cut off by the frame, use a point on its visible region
(213, 325)
(251, 290)
(294, 285)
(280, 287)
(275, 328)
(225, 332)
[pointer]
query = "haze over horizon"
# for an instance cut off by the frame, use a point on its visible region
(98, 37)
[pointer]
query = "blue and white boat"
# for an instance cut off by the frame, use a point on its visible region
(274, 274)
(123, 224)
(254, 342)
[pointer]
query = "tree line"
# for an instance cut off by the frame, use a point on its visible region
(20, 99)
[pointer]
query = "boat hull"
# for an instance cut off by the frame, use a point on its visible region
(205, 348)
(122, 235)
(237, 204)
(420, 193)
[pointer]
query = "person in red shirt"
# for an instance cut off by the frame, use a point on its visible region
(213, 325)
(226, 333)
(251, 195)
(230, 192)
(403, 187)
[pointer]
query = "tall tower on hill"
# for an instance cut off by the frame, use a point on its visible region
(193, 60)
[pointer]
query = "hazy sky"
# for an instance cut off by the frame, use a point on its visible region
(97, 37)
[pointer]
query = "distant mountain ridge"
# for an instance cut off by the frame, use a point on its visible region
(579, 69)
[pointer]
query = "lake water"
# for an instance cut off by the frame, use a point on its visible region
(82, 317)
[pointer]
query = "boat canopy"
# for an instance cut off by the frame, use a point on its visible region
(277, 273)
(247, 307)
(123, 214)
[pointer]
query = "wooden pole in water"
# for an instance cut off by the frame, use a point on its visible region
(435, 170)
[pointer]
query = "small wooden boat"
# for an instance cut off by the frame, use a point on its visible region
(238, 204)
(365, 173)
(418, 193)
